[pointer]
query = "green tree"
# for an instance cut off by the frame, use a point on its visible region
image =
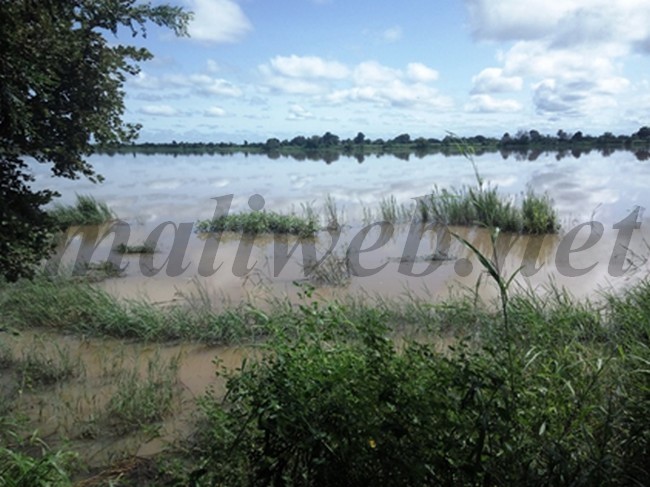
(61, 91)
(329, 139)
(272, 144)
(402, 139)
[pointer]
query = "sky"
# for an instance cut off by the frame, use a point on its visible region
(255, 69)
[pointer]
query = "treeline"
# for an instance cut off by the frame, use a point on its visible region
(527, 144)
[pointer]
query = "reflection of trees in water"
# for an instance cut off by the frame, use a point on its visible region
(642, 155)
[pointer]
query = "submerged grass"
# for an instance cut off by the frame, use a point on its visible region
(260, 222)
(86, 211)
(142, 400)
(77, 306)
(144, 248)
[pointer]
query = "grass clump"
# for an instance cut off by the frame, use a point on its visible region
(145, 248)
(36, 368)
(538, 214)
(76, 306)
(333, 270)
(18, 469)
(261, 222)
(484, 205)
(142, 400)
(86, 211)
(96, 271)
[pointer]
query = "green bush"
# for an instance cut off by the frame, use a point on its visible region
(340, 404)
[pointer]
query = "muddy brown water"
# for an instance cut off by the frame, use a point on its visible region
(73, 413)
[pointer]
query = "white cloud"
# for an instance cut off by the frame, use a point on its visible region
(301, 75)
(506, 20)
(577, 97)
(218, 21)
(572, 53)
(490, 104)
(396, 93)
(159, 110)
(492, 80)
(212, 66)
(298, 112)
(373, 73)
(215, 112)
(196, 83)
(392, 34)
(368, 81)
(293, 86)
(308, 67)
(145, 81)
(221, 87)
(421, 73)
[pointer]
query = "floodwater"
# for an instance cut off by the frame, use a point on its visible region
(75, 413)
(160, 197)
(597, 199)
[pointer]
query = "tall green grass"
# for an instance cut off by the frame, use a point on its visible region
(485, 206)
(86, 211)
(78, 307)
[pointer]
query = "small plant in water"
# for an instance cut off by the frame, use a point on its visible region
(40, 367)
(86, 211)
(333, 270)
(483, 205)
(142, 400)
(145, 248)
(260, 222)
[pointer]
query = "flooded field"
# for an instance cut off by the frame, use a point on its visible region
(602, 246)
(161, 197)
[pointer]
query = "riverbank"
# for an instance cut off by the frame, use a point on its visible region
(557, 396)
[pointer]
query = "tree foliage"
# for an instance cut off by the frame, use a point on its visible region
(61, 91)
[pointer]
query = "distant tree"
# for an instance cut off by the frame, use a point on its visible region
(562, 135)
(480, 139)
(360, 138)
(402, 139)
(329, 139)
(421, 144)
(61, 90)
(577, 137)
(299, 141)
(272, 144)
(522, 136)
(643, 133)
(313, 142)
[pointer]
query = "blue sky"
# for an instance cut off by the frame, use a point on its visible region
(253, 69)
